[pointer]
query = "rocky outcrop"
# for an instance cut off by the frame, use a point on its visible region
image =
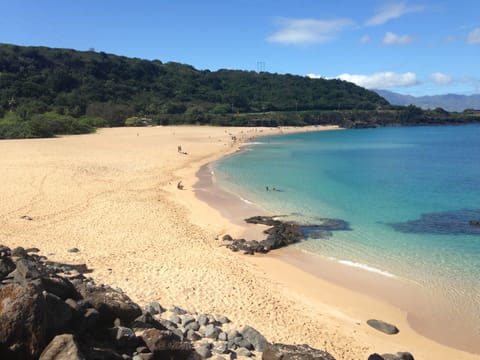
(282, 234)
(51, 311)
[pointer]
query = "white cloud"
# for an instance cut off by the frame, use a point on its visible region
(365, 39)
(474, 37)
(308, 31)
(440, 78)
(380, 80)
(394, 39)
(391, 11)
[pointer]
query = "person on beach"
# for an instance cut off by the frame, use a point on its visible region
(179, 148)
(180, 185)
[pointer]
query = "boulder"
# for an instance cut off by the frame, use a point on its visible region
(294, 352)
(164, 344)
(23, 319)
(111, 304)
(255, 338)
(383, 326)
(62, 347)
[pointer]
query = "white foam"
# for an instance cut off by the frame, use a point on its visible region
(366, 267)
(246, 201)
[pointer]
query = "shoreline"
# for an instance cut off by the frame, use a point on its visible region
(369, 282)
(113, 196)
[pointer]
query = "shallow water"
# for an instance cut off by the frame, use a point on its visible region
(408, 194)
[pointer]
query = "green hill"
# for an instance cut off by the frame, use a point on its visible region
(45, 91)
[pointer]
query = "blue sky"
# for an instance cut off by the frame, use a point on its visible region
(417, 47)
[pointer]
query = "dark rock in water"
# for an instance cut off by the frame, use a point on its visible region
(255, 338)
(442, 223)
(333, 225)
(282, 234)
(62, 347)
(263, 220)
(294, 352)
(383, 326)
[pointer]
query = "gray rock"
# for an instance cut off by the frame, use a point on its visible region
(222, 336)
(177, 310)
(146, 321)
(243, 343)
(154, 308)
(294, 352)
(212, 332)
(175, 318)
(202, 319)
(204, 351)
(375, 356)
(232, 334)
(73, 250)
(187, 319)
(192, 335)
(383, 326)
(255, 338)
(222, 319)
(195, 326)
(62, 347)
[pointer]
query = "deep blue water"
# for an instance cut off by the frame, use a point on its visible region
(408, 194)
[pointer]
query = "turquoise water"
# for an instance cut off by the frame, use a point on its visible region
(407, 193)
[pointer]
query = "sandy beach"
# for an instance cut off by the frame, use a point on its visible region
(113, 195)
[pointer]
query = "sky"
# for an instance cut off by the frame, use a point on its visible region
(415, 47)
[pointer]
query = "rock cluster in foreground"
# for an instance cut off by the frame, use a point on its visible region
(51, 311)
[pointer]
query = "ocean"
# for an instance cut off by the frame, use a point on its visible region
(407, 193)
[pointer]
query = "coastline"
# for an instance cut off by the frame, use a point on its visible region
(113, 196)
(375, 284)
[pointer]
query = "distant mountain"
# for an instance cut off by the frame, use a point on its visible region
(449, 102)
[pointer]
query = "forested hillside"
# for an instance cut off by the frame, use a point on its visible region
(45, 91)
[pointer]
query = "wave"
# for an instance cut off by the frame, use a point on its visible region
(365, 267)
(246, 201)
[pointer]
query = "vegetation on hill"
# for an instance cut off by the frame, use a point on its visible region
(45, 91)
